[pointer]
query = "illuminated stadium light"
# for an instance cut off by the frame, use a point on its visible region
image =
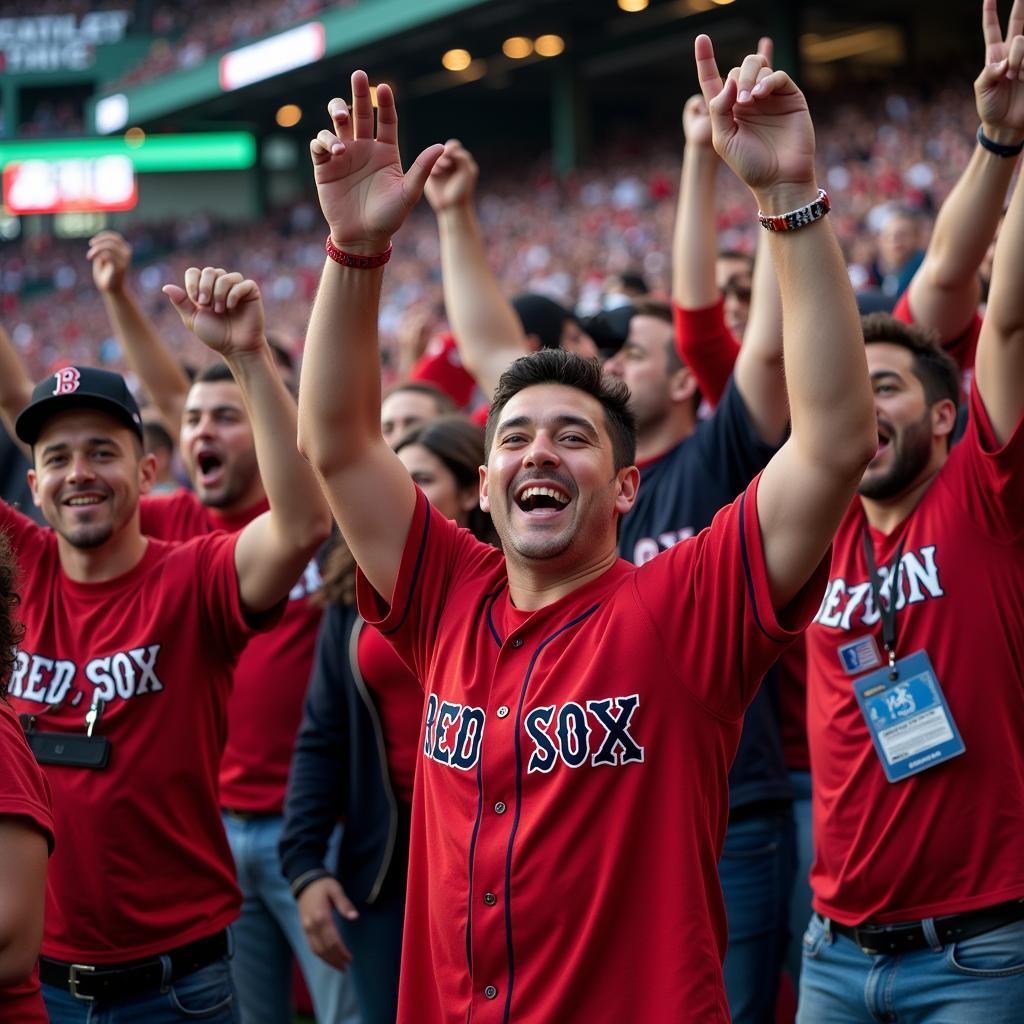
(111, 113)
(134, 137)
(289, 115)
(269, 57)
(632, 6)
(549, 46)
(199, 151)
(456, 60)
(722, 3)
(517, 47)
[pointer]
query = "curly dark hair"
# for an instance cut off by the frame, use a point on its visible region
(10, 628)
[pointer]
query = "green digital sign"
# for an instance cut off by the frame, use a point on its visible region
(203, 151)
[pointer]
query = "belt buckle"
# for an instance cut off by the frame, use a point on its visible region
(862, 937)
(73, 981)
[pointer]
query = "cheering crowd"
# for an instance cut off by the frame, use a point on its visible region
(597, 669)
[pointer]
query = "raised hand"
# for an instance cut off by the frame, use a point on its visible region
(363, 193)
(224, 311)
(111, 256)
(999, 89)
(697, 120)
(452, 182)
(760, 124)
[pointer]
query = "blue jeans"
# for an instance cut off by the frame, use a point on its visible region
(268, 933)
(974, 981)
(207, 995)
(756, 871)
(800, 898)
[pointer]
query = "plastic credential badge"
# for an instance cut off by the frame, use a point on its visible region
(908, 717)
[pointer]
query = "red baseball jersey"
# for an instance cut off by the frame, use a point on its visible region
(24, 795)
(571, 797)
(948, 839)
(273, 671)
(141, 864)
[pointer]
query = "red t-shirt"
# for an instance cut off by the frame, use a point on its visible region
(950, 838)
(571, 798)
(142, 864)
(273, 671)
(24, 795)
(399, 699)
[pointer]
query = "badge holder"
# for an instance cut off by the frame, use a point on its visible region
(72, 750)
(903, 705)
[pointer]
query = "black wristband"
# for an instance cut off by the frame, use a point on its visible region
(997, 147)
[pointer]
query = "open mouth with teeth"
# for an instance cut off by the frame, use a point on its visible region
(84, 500)
(542, 499)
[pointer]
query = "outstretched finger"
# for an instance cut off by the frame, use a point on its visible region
(416, 176)
(707, 68)
(1016, 24)
(766, 49)
(992, 32)
(387, 115)
(362, 106)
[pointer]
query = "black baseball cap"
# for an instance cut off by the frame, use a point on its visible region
(75, 387)
(609, 328)
(542, 317)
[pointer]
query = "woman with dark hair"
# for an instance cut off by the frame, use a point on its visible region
(26, 833)
(356, 753)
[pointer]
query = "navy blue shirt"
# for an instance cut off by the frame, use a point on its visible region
(680, 492)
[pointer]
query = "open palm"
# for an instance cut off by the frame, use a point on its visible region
(364, 195)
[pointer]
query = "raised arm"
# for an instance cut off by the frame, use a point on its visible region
(162, 376)
(225, 312)
(763, 130)
(15, 387)
(999, 364)
(365, 198)
(944, 292)
(486, 328)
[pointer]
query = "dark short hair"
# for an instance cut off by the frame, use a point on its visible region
(156, 436)
(10, 629)
(444, 402)
(282, 353)
(215, 373)
(556, 366)
(933, 367)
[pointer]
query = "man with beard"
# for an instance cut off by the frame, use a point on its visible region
(581, 712)
(217, 445)
(916, 692)
(125, 671)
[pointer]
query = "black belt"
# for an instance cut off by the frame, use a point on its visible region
(111, 982)
(889, 939)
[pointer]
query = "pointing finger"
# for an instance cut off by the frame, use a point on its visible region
(992, 32)
(362, 105)
(766, 49)
(707, 68)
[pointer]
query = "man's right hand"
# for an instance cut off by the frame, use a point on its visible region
(999, 89)
(111, 256)
(317, 903)
(363, 193)
(452, 182)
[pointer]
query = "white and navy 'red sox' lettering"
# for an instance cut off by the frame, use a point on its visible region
(124, 674)
(572, 734)
(851, 605)
(67, 380)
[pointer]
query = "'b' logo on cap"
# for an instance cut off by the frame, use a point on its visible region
(67, 381)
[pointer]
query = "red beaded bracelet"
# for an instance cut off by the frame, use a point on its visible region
(348, 259)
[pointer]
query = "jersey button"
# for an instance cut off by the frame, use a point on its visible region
(503, 711)
(518, 642)
(490, 899)
(491, 992)
(500, 808)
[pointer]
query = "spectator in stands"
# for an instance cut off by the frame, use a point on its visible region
(159, 443)
(899, 253)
